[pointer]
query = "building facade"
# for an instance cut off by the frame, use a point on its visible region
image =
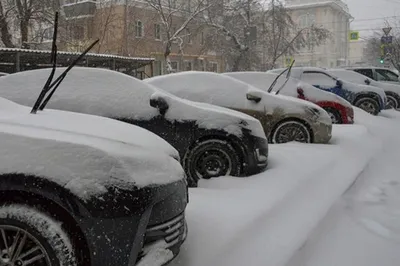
(334, 16)
(133, 28)
(357, 52)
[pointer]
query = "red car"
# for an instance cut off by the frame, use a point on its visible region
(340, 110)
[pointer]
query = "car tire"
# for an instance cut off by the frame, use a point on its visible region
(37, 233)
(301, 132)
(369, 105)
(392, 102)
(211, 158)
(334, 114)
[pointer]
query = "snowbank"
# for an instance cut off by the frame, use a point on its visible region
(263, 220)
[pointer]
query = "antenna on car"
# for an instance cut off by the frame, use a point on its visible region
(58, 81)
(53, 60)
(287, 77)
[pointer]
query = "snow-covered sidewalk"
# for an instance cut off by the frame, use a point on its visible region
(265, 219)
(363, 227)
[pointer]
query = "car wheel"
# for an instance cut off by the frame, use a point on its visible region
(392, 102)
(291, 130)
(30, 237)
(211, 158)
(369, 105)
(334, 114)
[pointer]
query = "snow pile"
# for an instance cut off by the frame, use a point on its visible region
(226, 91)
(86, 160)
(156, 254)
(112, 94)
(268, 217)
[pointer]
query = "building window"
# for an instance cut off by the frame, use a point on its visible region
(174, 66)
(188, 65)
(306, 20)
(157, 31)
(139, 29)
(214, 67)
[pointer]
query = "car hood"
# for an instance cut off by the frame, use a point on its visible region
(362, 88)
(211, 116)
(88, 126)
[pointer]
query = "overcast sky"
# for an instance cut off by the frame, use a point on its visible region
(367, 12)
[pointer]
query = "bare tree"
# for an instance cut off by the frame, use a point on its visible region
(176, 17)
(6, 36)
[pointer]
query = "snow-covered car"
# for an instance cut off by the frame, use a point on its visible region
(392, 90)
(284, 118)
(2, 74)
(340, 110)
(378, 74)
(78, 189)
(212, 141)
(370, 99)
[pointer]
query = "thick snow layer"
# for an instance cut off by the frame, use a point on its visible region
(86, 154)
(267, 218)
(226, 91)
(363, 227)
(358, 78)
(112, 94)
(264, 80)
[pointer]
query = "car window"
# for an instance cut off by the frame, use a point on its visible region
(365, 72)
(318, 78)
(386, 75)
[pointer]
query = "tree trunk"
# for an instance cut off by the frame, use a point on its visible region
(4, 32)
(168, 66)
(24, 32)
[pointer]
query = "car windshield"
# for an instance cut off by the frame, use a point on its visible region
(386, 75)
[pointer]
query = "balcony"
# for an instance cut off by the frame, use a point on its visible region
(80, 9)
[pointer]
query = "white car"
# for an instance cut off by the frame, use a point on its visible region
(284, 118)
(370, 99)
(392, 90)
(64, 176)
(378, 74)
(340, 110)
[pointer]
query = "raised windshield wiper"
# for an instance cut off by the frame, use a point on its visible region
(53, 61)
(287, 77)
(58, 81)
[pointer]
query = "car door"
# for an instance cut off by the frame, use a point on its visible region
(386, 75)
(322, 81)
(366, 72)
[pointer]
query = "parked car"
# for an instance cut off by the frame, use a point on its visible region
(378, 74)
(340, 110)
(392, 91)
(370, 99)
(77, 189)
(283, 118)
(212, 141)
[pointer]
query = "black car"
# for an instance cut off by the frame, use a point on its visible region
(84, 190)
(212, 141)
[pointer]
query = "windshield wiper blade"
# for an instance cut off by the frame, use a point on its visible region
(53, 60)
(58, 81)
(287, 77)
(275, 80)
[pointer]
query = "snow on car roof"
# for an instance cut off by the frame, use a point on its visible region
(84, 153)
(113, 94)
(263, 80)
(224, 91)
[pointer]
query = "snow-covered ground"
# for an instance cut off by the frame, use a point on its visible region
(335, 204)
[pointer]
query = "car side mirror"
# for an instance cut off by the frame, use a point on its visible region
(254, 96)
(160, 103)
(339, 83)
(367, 81)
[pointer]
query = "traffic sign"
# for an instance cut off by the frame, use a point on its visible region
(354, 35)
(387, 30)
(387, 39)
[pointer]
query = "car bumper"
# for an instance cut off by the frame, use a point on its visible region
(257, 155)
(322, 133)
